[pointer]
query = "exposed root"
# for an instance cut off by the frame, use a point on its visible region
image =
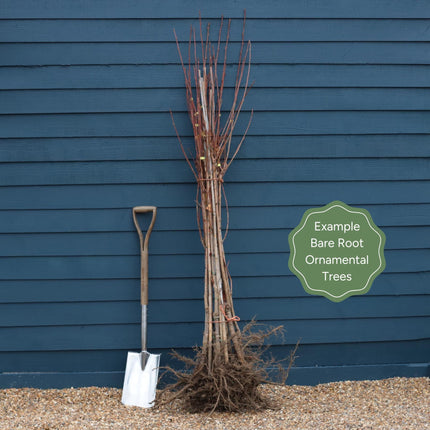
(231, 386)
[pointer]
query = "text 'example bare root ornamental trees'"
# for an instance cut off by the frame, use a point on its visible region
(227, 370)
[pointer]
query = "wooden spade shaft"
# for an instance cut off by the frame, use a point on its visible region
(144, 241)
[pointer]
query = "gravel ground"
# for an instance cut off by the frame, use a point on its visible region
(397, 403)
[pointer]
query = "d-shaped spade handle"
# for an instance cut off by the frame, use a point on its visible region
(144, 249)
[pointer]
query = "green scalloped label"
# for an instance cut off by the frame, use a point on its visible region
(336, 251)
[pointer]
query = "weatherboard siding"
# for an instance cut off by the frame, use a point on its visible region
(341, 106)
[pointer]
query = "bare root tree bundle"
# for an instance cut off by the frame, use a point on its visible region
(227, 370)
(213, 156)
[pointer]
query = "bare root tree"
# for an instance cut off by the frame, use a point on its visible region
(228, 369)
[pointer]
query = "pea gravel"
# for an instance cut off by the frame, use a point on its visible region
(396, 403)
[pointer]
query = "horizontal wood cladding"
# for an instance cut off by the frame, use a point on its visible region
(159, 124)
(171, 312)
(335, 354)
(341, 102)
(170, 76)
(259, 171)
(96, 290)
(256, 147)
(261, 30)
(30, 9)
(259, 99)
(178, 242)
(177, 266)
(183, 195)
(66, 54)
(183, 219)
(186, 335)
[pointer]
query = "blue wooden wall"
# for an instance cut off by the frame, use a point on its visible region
(341, 100)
